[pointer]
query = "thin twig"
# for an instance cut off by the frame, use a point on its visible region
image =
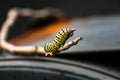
(13, 14)
(69, 44)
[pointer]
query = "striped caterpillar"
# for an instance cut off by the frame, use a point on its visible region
(59, 40)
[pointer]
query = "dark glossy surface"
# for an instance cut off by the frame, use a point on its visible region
(44, 68)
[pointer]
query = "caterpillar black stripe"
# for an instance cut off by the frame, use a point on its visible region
(58, 41)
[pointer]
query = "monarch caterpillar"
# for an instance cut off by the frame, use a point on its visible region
(59, 40)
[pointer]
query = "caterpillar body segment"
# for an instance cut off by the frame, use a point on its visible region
(59, 40)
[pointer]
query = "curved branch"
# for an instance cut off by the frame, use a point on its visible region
(13, 14)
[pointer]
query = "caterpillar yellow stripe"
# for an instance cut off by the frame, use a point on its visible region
(58, 41)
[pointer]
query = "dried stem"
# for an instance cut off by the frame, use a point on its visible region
(13, 14)
(69, 44)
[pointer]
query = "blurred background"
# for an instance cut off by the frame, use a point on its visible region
(91, 18)
(97, 21)
(70, 8)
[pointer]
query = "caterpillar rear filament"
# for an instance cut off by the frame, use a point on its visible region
(59, 40)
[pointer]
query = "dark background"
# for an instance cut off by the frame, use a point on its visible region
(70, 7)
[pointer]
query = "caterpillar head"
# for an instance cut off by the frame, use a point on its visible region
(71, 32)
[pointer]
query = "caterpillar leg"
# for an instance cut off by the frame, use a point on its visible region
(49, 54)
